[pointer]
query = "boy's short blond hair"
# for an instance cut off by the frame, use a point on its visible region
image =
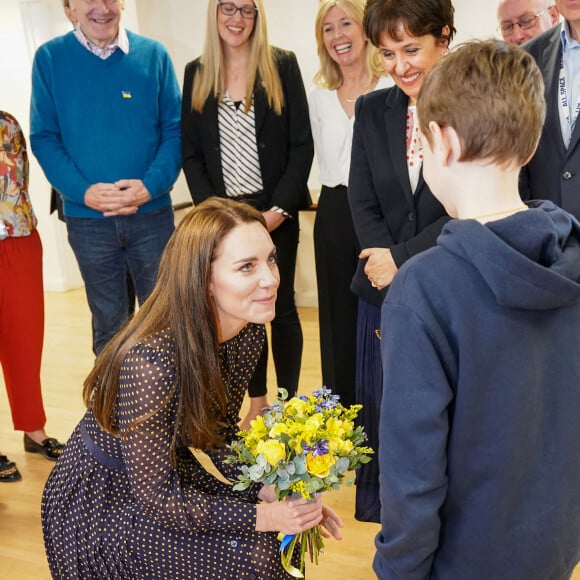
(492, 94)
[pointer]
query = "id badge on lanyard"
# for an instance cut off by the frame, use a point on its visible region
(569, 115)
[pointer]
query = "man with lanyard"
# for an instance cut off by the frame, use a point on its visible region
(554, 171)
(105, 115)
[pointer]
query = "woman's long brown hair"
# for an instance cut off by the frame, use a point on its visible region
(180, 302)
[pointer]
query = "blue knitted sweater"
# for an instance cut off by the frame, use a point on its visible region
(98, 121)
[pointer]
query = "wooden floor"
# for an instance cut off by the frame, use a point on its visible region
(67, 359)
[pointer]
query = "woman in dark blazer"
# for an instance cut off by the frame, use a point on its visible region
(394, 213)
(246, 135)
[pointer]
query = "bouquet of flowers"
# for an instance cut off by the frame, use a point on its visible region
(304, 445)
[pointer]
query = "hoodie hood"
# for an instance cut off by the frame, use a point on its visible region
(530, 260)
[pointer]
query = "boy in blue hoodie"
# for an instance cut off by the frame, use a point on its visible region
(480, 422)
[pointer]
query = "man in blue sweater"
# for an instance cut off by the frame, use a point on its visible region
(479, 433)
(105, 116)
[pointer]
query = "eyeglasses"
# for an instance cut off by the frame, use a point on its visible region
(525, 23)
(247, 11)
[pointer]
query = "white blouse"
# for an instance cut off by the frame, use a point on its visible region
(332, 132)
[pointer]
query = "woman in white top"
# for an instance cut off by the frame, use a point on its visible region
(349, 66)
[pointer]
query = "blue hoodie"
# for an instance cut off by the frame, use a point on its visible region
(480, 416)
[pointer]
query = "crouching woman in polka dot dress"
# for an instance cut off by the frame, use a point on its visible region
(128, 499)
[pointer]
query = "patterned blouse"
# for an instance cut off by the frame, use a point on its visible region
(414, 147)
(17, 216)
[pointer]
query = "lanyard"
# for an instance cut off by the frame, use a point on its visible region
(565, 103)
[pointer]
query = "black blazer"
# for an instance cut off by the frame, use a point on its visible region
(285, 145)
(554, 171)
(385, 212)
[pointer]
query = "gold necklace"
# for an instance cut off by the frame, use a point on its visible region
(364, 92)
(347, 100)
(494, 213)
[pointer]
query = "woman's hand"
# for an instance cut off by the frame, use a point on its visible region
(267, 494)
(291, 516)
(273, 219)
(380, 267)
(331, 523)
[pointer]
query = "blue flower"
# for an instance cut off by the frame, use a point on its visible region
(318, 449)
(326, 400)
(323, 392)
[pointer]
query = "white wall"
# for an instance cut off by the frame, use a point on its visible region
(179, 24)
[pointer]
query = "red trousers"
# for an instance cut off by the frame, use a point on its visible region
(22, 328)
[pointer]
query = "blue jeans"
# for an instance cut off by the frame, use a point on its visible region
(109, 249)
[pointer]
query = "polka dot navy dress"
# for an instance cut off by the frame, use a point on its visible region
(115, 507)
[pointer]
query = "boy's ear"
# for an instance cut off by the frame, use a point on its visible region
(446, 143)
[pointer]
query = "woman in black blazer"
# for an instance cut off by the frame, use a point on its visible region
(395, 215)
(246, 135)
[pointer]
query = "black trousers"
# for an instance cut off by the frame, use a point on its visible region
(336, 251)
(286, 331)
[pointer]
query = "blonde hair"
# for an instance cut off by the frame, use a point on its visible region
(209, 78)
(329, 75)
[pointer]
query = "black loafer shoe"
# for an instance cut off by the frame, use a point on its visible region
(50, 447)
(8, 470)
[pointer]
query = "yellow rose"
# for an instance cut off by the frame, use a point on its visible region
(319, 465)
(272, 450)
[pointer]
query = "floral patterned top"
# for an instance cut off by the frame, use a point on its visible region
(16, 213)
(414, 147)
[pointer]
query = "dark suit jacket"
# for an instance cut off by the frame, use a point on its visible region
(285, 146)
(385, 212)
(554, 171)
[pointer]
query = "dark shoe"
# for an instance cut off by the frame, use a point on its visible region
(50, 447)
(8, 470)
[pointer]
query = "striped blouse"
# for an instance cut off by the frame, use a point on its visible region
(239, 149)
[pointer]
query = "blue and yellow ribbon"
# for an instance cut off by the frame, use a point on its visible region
(287, 545)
